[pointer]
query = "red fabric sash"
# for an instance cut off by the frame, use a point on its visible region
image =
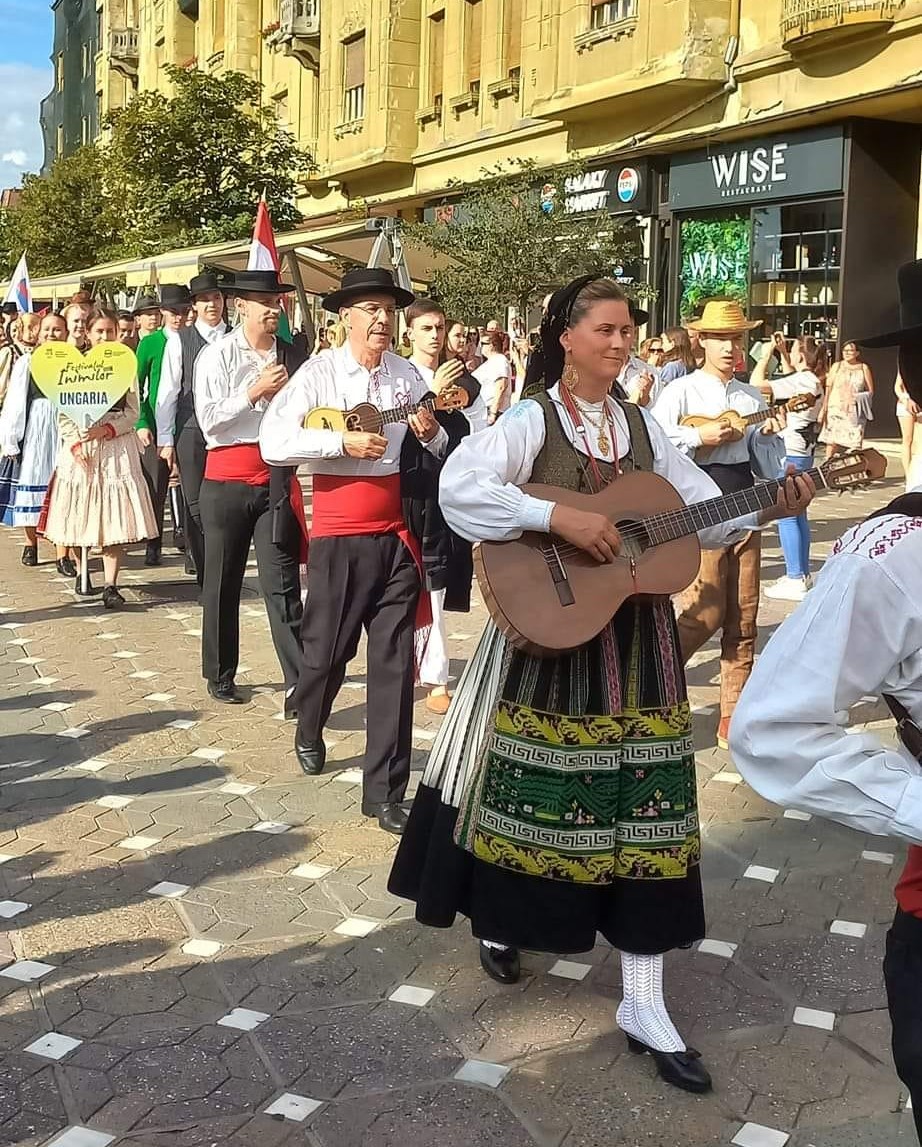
(354, 506)
(296, 497)
(909, 888)
(241, 463)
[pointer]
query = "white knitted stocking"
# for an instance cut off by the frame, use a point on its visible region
(642, 1013)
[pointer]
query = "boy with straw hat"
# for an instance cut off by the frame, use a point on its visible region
(725, 595)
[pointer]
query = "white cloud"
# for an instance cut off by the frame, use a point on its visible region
(22, 88)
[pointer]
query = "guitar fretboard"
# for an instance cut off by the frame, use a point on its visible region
(674, 524)
(401, 413)
(763, 415)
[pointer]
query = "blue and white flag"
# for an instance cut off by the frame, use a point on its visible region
(20, 291)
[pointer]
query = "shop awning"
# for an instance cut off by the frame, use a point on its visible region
(318, 251)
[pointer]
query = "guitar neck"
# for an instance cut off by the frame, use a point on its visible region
(667, 527)
(762, 415)
(401, 413)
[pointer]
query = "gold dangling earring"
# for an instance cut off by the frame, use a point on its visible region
(570, 376)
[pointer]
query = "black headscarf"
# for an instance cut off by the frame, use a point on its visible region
(545, 363)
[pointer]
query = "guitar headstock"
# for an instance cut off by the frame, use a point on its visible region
(452, 398)
(854, 468)
(801, 402)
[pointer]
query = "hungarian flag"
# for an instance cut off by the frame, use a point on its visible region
(20, 291)
(265, 257)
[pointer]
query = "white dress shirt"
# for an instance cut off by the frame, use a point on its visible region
(224, 371)
(171, 379)
(13, 411)
(479, 487)
(333, 378)
(703, 393)
(632, 372)
(857, 633)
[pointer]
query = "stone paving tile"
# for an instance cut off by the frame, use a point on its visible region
(130, 982)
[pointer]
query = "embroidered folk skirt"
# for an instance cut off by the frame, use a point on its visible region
(559, 800)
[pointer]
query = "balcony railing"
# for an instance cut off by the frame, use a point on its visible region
(123, 50)
(299, 18)
(805, 23)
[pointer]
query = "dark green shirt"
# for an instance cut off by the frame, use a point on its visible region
(150, 362)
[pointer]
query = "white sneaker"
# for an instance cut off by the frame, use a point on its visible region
(789, 589)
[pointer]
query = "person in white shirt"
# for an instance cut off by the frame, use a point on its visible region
(725, 595)
(639, 380)
(559, 799)
(179, 438)
(242, 499)
(858, 633)
(494, 375)
(365, 566)
(426, 328)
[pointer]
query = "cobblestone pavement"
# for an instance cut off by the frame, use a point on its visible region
(200, 948)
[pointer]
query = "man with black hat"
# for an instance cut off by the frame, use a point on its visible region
(171, 308)
(181, 443)
(859, 633)
(242, 499)
(365, 565)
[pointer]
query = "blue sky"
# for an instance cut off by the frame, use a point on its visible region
(25, 78)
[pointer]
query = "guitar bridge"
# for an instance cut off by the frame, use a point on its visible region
(559, 576)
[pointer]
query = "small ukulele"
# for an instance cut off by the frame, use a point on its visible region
(547, 596)
(371, 420)
(739, 422)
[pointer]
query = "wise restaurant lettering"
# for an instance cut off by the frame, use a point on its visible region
(749, 170)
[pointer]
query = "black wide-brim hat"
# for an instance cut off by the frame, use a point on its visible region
(146, 303)
(366, 281)
(205, 282)
(909, 285)
(257, 283)
(638, 315)
(175, 297)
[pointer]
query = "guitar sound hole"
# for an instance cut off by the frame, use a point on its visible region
(634, 538)
(353, 422)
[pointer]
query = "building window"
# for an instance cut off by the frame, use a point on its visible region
(473, 38)
(59, 141)
(436, 55)
(512, 33)
(85, 129)
(59, 71)
(354, 79)
(605, 12)
(280, 103)
(219, 25)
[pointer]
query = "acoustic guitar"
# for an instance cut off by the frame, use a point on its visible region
(371, 420)
(740, 422)
(548, 596)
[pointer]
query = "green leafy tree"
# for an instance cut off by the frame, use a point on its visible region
(507, 241)
(189, 168)
(63, 220)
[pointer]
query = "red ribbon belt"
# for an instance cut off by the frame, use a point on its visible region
(242, 463)
(909, 888)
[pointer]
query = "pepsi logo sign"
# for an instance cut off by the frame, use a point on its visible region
(628, 184)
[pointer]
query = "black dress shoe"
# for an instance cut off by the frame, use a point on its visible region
(501, 964)
(152, 554)
(66, 567)
(111, 598)
(225, 692)
(189, 566)
(78, 587)
(30, 555)
(682, 1069)
(179, 541)
(312, 756)
(391, 816)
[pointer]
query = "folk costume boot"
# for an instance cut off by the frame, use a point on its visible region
(500, 963)
(643, 1018)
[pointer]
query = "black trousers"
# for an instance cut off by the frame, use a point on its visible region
(190, 453)
(368, 582)
(234, 515)
(157, 476)
(903, 975)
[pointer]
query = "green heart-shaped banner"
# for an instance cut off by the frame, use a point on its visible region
(84, 386)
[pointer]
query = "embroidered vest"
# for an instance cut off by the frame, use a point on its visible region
(560, 464)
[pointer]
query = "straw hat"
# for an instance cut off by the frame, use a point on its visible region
(722, 317)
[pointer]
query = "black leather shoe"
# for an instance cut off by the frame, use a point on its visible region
(152, 554)
(682, 1069)
(501, 964)
(66, 567)
(189, 566)
(111, 598)
(30, 555)
(179, 541)
(225, 692)
(78, 587)
(312, 756)
(392, 817)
